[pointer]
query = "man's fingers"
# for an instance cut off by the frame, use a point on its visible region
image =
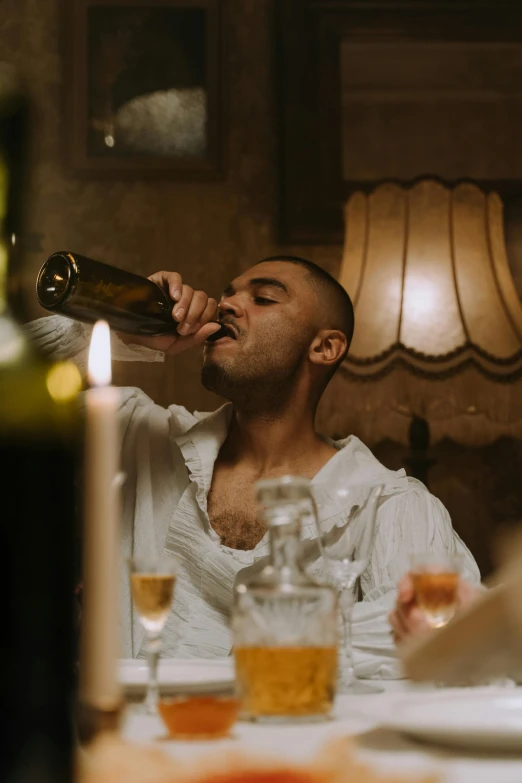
(193, 340)
(197, 307)
(170, 282)
(175, 288)
(397, 625)
(398, 621)
(204, 333)
(406, 624)
(406, 619)
(191, 308)
(405, 589)
(209, 313)
(181, 310)
(416, 622)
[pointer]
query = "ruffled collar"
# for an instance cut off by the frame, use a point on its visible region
(353, 465)
(200, 447)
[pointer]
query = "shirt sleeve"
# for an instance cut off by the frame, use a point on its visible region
(64, 339)
(408, 522)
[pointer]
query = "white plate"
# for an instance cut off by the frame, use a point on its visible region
(193, 675)
(483, 720)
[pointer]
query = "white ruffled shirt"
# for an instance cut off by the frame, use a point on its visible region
(168, 456)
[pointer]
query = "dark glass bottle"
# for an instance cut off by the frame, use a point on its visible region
(38, 458)
(87, 290)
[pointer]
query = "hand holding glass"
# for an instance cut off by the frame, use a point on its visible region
(435, 578)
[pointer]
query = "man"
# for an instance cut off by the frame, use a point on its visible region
(190, 478)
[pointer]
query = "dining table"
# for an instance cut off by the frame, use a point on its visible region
(366, 718)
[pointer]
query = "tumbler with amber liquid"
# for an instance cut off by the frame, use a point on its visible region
(435, 579)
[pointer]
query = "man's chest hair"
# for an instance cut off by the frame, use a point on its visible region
(238, 530)
(233, 514)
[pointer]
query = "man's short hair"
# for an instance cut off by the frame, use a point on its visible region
(338, 308)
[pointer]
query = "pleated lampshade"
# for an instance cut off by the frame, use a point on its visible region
(438, 321)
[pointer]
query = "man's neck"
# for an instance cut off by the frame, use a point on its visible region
(270, 442)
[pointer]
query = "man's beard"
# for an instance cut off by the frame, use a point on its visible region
(246, 386)
(216, 379)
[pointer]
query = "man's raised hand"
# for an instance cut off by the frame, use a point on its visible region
(192, 310)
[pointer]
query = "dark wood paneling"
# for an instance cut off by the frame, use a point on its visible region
(312, 188)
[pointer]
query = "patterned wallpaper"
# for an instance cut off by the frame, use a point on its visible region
(208, 231)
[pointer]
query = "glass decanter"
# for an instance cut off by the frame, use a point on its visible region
(284, 624)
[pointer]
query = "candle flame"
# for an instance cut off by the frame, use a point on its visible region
(99, 365)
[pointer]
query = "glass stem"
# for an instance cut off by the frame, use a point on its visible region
(153, 651)
(346, 671)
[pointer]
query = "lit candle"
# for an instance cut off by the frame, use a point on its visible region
(99, 686)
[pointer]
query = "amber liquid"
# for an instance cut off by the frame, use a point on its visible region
(152, 594)
(436, 596)
(294, 682)
(199, 717)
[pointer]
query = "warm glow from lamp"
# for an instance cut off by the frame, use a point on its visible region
(427, 271)
(438, 321)
(422, 301)
(99, 366)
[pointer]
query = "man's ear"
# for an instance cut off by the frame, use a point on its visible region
(328, 347)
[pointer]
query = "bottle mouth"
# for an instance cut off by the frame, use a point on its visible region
(54, 280)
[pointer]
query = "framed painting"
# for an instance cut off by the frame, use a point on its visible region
(143, 88)
(394, 90)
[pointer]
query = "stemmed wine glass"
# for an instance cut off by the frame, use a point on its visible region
(346, 520)
(152, 584)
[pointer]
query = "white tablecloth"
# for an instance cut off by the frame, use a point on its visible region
(359, 716)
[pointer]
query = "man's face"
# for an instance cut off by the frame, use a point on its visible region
(270, 310)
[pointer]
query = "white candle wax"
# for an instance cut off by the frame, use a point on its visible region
(99, 686)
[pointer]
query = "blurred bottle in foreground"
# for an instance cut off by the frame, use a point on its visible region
(38, 456)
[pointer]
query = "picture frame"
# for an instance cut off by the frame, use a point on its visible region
(312, 37)
(143, 88)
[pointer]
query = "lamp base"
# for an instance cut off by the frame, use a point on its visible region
(417, 462)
